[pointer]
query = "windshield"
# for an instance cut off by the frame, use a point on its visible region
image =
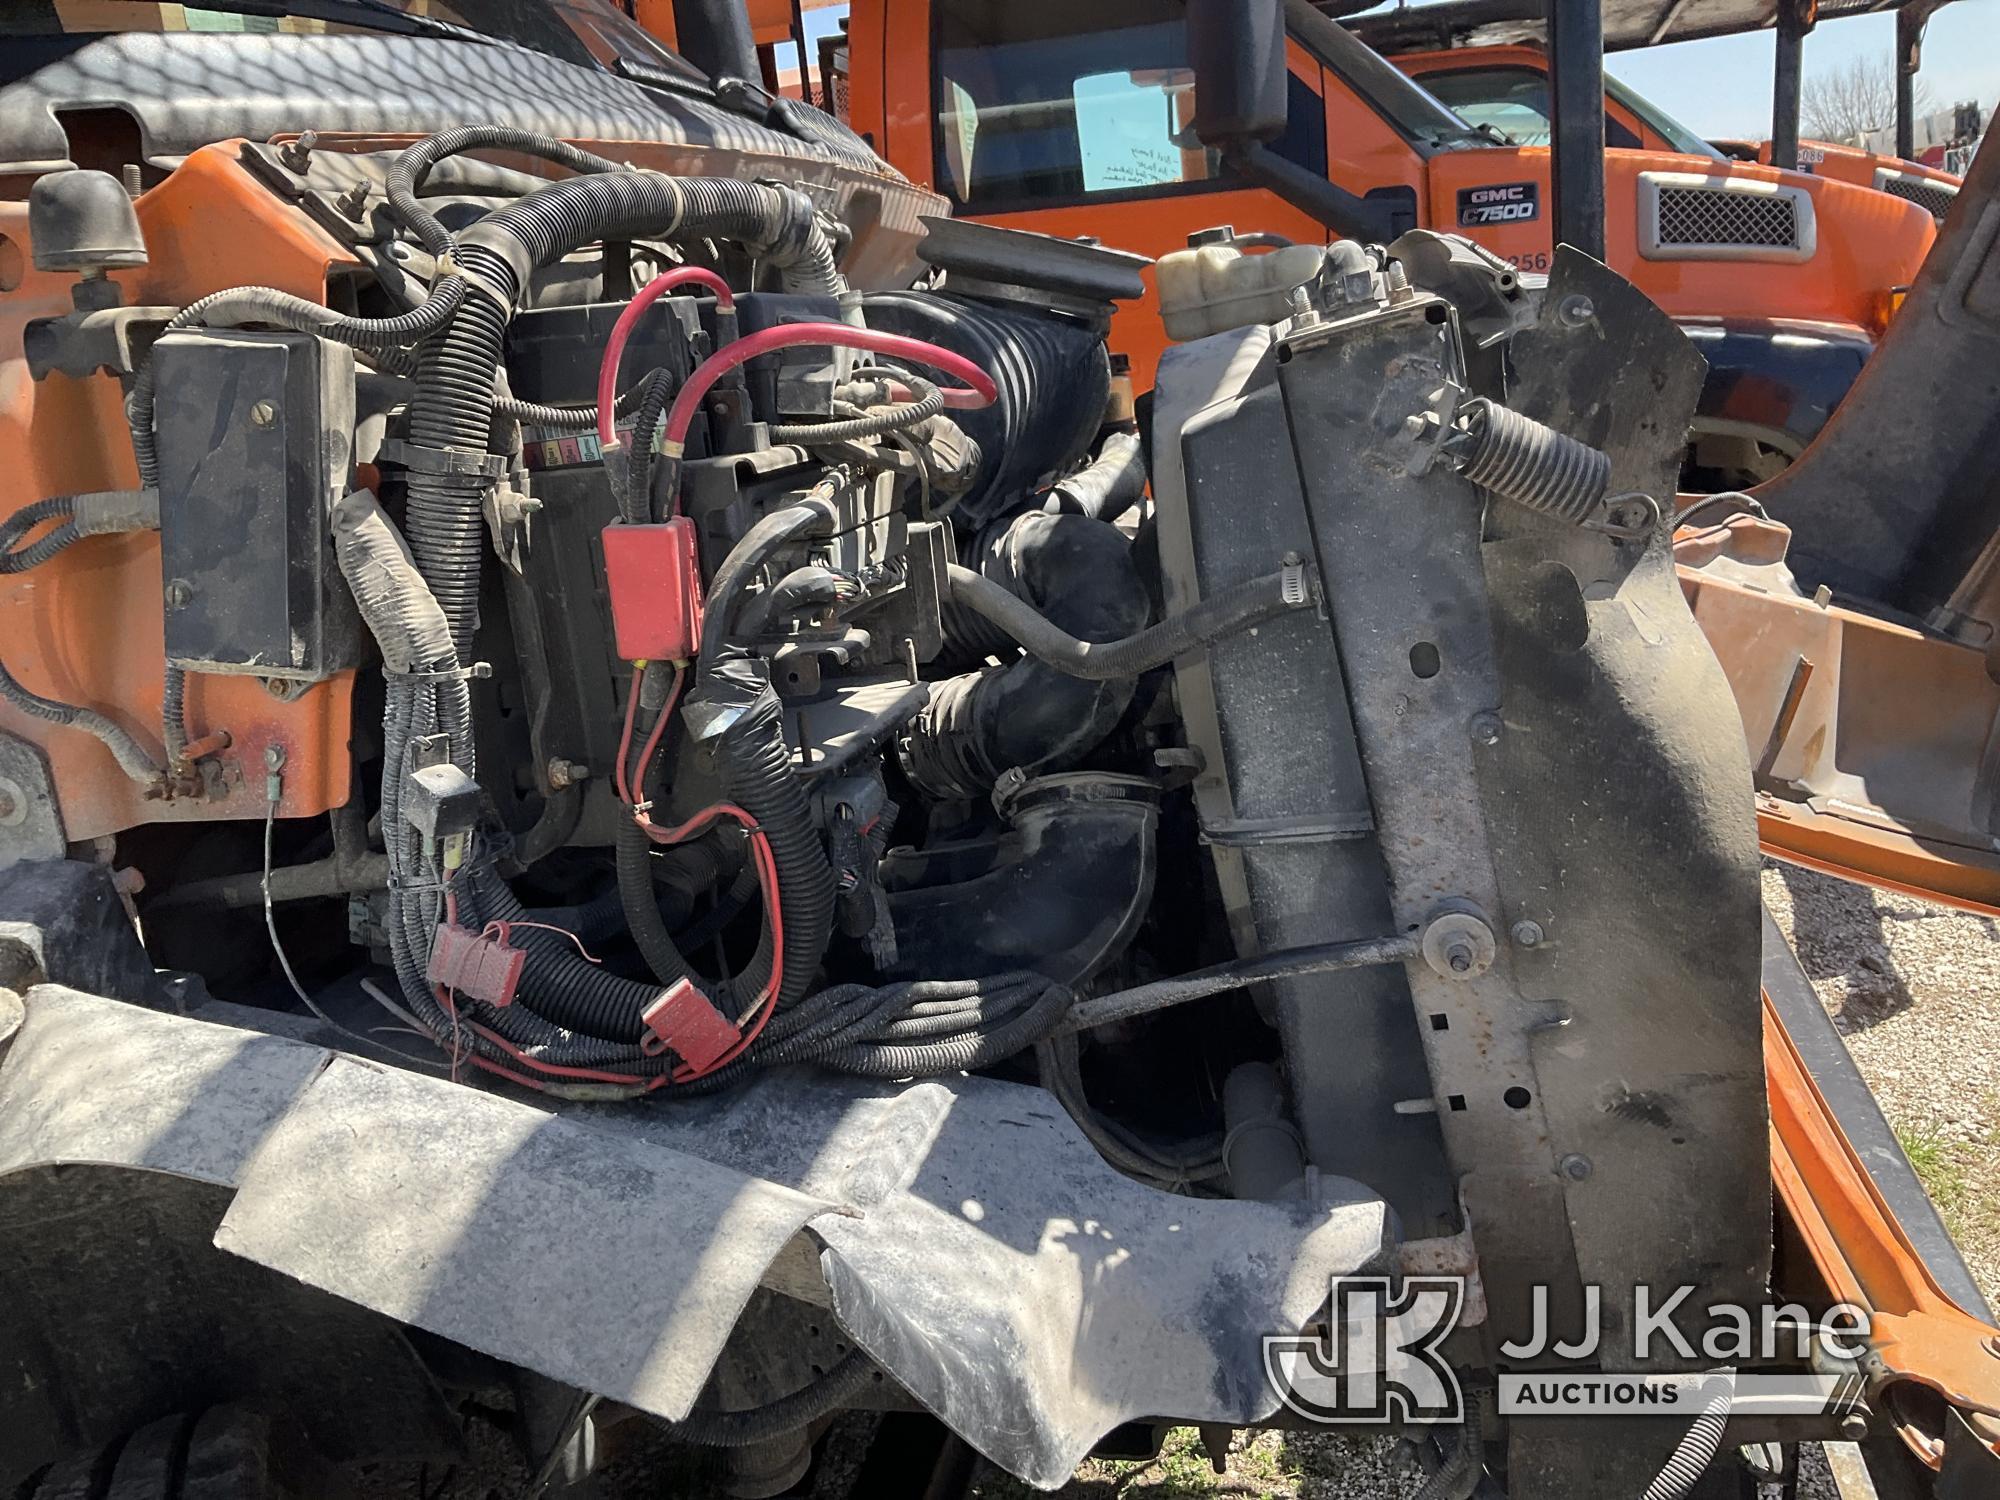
(585, 32)
(1392, 93)
(1660, 122)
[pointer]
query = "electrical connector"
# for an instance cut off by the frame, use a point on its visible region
(653, 577)
(482, 967)
(685, 1021)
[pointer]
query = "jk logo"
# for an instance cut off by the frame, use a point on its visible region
(1378, 1360)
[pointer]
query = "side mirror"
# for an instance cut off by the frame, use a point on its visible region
(1237, 51)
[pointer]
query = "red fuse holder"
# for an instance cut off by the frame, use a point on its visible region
(685, 1021)
(483, 968)
(654, 579)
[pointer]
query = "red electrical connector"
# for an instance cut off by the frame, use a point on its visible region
(476, 965)
(685, 1021)
(653, 576)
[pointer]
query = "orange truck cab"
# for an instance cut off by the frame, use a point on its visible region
(1930, 187)
(1075, 120)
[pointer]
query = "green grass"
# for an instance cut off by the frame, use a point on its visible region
(1936, 1160)
(1259, 1465)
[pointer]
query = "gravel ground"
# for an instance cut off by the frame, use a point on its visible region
(1913, 988)
(1908, 983)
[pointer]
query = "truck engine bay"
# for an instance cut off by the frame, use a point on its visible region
(621, 648)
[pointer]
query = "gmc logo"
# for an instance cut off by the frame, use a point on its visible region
(1498, 203)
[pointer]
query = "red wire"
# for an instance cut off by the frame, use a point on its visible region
(979, 389)
(652, 744)
(618, 777)
(621, 332)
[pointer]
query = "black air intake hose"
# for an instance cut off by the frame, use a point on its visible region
(1109, 487)
(1054, 378)
(1077, 575)
(739, 709)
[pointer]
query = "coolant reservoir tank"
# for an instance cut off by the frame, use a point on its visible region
(1217, 284)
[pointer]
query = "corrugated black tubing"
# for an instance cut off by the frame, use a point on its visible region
(130, 755)
(17, 556)
(756, 767)
(407, 173)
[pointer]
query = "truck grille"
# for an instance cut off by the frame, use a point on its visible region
(1936, 197)
(1686, 217)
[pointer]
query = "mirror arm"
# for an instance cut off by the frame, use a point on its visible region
(1339, 210)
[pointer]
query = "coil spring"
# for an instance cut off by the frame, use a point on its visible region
(1533, 464)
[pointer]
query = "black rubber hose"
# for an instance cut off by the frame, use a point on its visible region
(809, 587)
(851, 1375)
(1223, 614)
(636, 499)
(1077, 576)
(1532, 464)
(411, 167)
(1108, 487)
(765, 536)
(17, 556)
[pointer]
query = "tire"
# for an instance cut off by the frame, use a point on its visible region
(224, 1453)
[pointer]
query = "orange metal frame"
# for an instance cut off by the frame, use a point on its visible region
(1918, 1334)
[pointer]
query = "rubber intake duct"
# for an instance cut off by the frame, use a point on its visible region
(1054, 376)
(1076, 576)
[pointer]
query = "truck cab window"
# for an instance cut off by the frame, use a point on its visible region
(1055, 102)
(1514, 101)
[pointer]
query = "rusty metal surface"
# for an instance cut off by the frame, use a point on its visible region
(970, 1240)
(1880, 761)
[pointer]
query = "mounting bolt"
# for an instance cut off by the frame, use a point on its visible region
(180, 594)
(1575, 1166)
(1527, 934)
(298, 154)
(263, 414)
(564, 773)
(354, 202)
(13, 803)
(1486, 729)
(1458, 945)
(1576, 311)
(1854, 1427)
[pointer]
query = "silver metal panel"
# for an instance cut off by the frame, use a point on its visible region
(974, 1243)
(597, 1259)
(90, 1080)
